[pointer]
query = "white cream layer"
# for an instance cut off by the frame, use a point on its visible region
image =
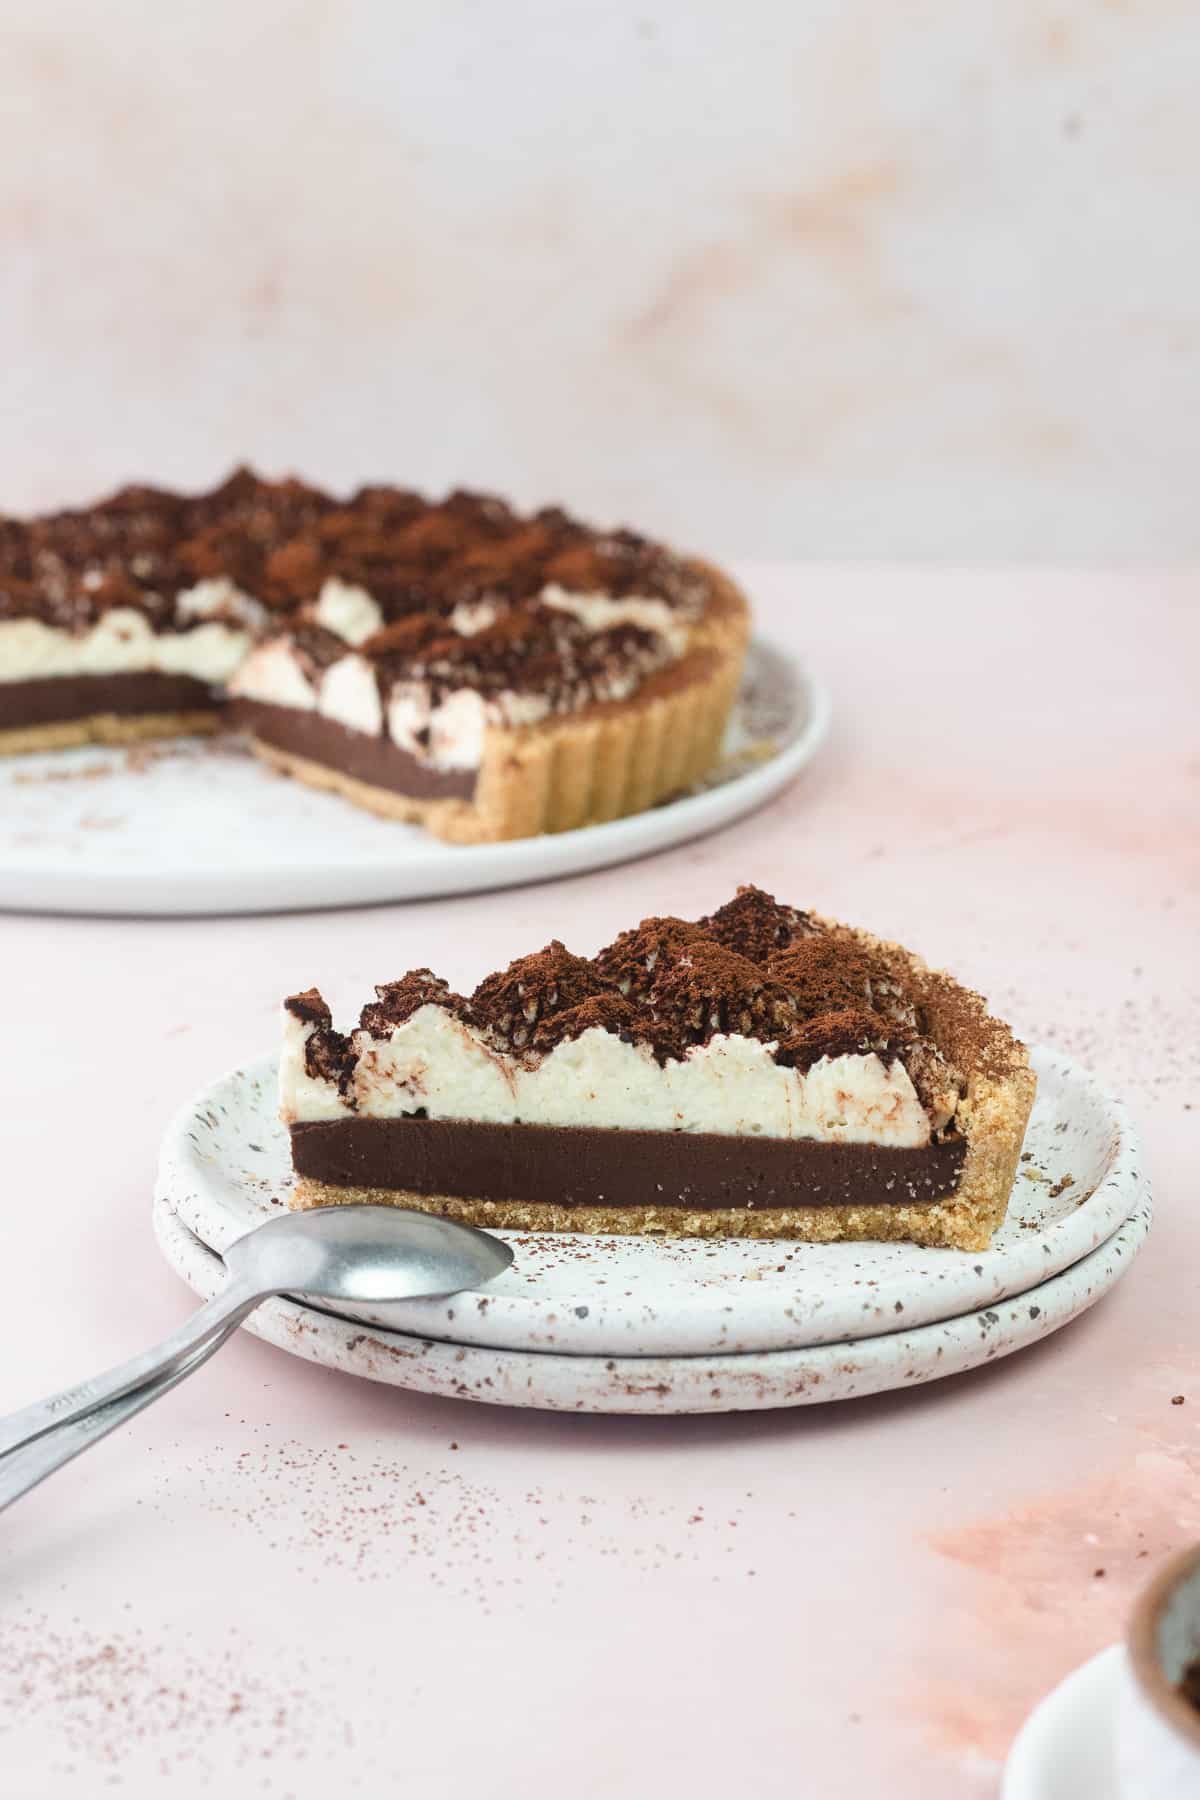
(219, 598)
(601, 612)
(731, 1086)
(122, 642)
(449, 734)
(349, 612)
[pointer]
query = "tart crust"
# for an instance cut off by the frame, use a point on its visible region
(955, 1224)
(108, 728)
(603, 762)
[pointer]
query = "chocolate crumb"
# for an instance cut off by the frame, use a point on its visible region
(328, 1054)
(309, 1006)
(396, 1002)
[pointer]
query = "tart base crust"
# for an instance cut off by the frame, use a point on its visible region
(107, 728)
(602, 763)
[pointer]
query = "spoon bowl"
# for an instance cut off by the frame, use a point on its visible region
(364, 1255)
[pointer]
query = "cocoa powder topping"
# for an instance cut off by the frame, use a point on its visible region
(534, 989)
(703, 988)
(460, 583)
(755, 924)
(755, 969)
(396, 1001)
(630, 961)
(601, 1012)
(849, 1031)
(820, 974)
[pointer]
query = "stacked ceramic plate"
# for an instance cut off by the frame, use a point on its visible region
(638, 1325)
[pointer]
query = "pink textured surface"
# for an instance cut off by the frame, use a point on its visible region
(285, 1582)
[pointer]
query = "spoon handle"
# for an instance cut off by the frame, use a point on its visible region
(232, 1305)
(23, 1468)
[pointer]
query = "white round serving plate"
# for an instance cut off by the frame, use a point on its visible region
(201, 826)
(225, 1166)
(755, 1381)
(1066, 1749)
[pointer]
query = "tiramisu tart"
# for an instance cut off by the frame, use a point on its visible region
(761, 1072)
(487, 674)
(125, 620)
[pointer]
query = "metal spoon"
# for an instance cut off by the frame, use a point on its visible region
(357, 1254)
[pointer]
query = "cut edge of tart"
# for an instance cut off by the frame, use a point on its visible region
(608, 759)
(761, 1073)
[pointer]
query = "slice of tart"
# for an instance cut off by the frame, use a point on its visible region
(124, 620)
(490, 675)
(758, 1073)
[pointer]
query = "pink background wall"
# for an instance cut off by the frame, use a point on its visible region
(780, 279)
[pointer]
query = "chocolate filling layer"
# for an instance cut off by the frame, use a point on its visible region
(56, 699)
(583, 1166)
(360, 754)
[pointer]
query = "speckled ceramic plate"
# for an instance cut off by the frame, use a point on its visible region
(201, 826)
(752, 1382)
(225, 1166)
(1066, 1749)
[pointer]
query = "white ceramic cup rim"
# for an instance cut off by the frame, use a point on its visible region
(1142, 1644)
